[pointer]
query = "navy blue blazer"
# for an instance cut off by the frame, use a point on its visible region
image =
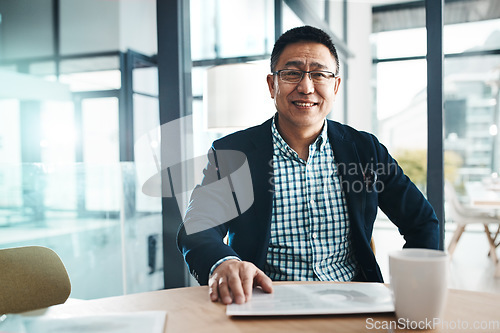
(370, 179)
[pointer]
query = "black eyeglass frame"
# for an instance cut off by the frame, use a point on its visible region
(329, 79)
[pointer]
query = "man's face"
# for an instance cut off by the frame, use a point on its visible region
(304, 104)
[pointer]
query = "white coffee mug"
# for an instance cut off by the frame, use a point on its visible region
(419, 280)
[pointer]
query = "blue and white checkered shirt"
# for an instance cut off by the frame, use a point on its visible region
(310, 237)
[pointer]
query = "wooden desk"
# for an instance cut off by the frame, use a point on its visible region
(190, 310)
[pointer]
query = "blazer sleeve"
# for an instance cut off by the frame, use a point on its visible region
(403, 203)
(200, 238)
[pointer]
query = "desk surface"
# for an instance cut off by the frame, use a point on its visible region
(190, 310)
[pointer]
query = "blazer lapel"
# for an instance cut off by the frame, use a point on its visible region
(260, 158)
(349, 168)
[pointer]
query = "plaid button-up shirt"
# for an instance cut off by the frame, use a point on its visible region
(310, 234)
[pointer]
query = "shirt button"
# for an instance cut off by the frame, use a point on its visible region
(311, 201)
(314, 235)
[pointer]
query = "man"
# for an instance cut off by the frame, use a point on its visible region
(316, 188)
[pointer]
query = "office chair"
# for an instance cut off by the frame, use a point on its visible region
(462, 216)
(31, 278)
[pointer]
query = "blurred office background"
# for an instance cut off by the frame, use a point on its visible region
(90, 91)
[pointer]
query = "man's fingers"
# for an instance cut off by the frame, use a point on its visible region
(263, 281)
(213, 289)
(234, 280)
(224, 292)
(247, 283)
(235, 285)
(253, 277)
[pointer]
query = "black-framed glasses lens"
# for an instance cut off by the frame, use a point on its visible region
(295, 76)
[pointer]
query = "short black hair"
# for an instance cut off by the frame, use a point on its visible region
(303, 34)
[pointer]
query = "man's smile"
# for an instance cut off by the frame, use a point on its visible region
(303, 104)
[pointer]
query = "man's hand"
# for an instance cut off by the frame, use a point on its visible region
(233, 280)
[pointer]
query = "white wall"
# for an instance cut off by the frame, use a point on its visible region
(98, 26)
(360, 66)
(26, 28)
(86, 26)
(137, 26)
(337, 27)
(89, 26)
(336, 14)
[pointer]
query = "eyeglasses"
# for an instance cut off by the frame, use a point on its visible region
(296, 75)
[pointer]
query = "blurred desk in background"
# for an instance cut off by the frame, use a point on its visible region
(483, 195)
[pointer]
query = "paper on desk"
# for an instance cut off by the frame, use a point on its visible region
(146, 321)
(316, 298)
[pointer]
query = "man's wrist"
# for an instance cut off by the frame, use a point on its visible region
(220, 262)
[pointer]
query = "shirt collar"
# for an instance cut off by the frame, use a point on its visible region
(280, 143)
(322, 137)
(278, 140)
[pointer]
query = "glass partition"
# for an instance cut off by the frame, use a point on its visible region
(471, 110)
(400, 110)
(111, 249)
(470, 116)
(225, 28)
(10, 114)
